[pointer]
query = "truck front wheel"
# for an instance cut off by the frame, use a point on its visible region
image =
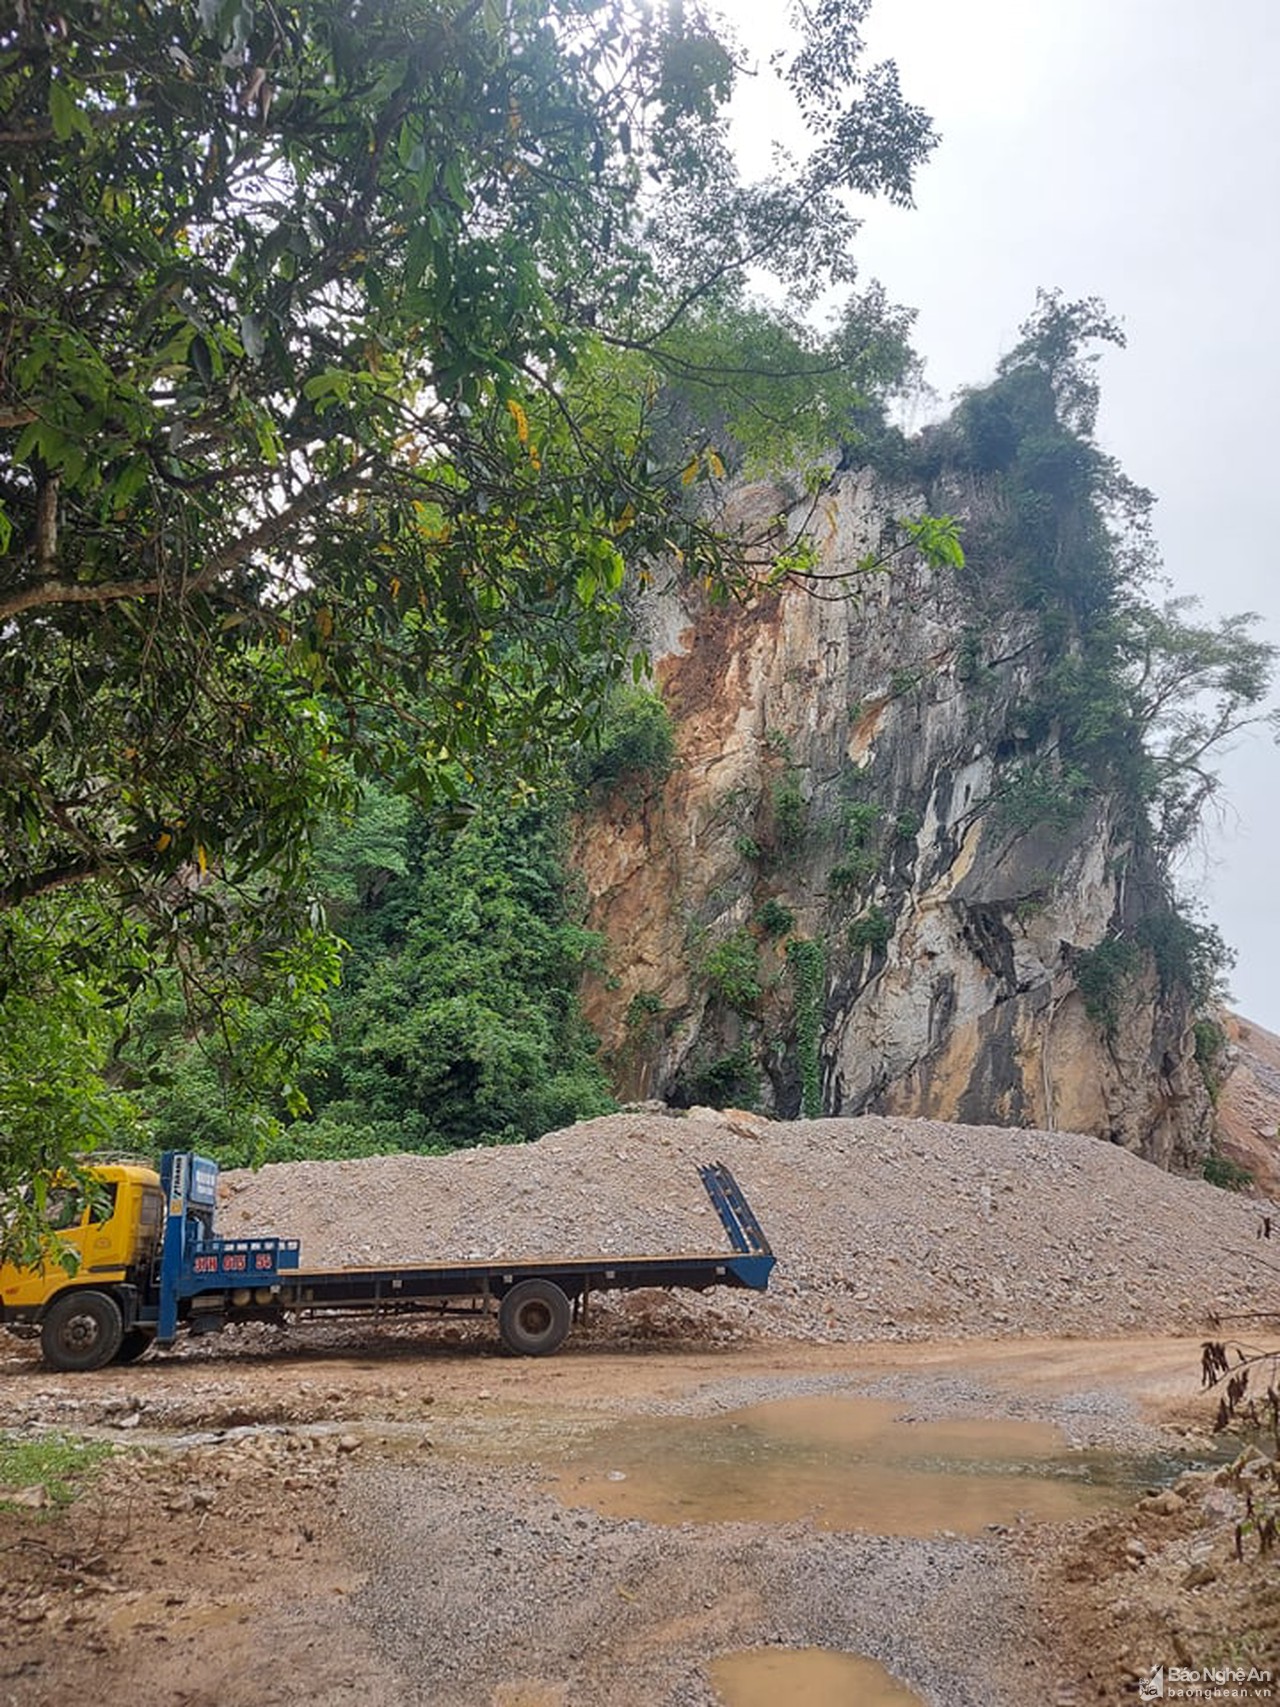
(81, 1330)
(533, 1318)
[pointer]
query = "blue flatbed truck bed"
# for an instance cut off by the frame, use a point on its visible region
(201, 1282)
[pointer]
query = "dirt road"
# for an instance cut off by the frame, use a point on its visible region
(396, 1522)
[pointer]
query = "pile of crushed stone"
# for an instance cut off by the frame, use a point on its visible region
(884, 1228)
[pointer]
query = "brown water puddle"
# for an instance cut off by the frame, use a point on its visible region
(805, 1677)
(846, 1464)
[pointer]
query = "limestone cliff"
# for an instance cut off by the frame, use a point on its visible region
(853, 816)
(1247, 1124)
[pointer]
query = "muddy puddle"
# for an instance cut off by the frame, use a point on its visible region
(845, 1463)
(805, 1677)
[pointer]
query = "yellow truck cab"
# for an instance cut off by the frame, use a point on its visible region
(114, 1229)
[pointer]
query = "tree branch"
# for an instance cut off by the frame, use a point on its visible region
(44, 594)
(80, 870)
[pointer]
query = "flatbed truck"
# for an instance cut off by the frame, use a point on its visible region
(148, 1265)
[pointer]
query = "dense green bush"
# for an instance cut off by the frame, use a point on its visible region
(1103, 974)
(732, 968)
(774, 918)
(789, 811)
(457, 1021)
(635, 741)
(1210, 1053)
(1221, 1171)
(731, 1081)
(858, 819)
(1043, 795)
(857, 867)
(1188, 954)
(873, 930)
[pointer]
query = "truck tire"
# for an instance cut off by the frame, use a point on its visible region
(81, 1330)
(533, 1318)
(135, 1343)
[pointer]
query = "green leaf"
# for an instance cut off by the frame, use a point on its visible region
(201, 359)
(63, 111)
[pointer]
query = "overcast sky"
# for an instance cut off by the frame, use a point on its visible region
(1128, 149)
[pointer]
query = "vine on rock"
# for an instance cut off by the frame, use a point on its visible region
(806, 962)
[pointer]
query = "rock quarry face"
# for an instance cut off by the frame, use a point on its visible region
(848, 775)
(1247, 1126)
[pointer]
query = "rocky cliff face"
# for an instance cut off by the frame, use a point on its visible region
(853, 891)
(1247, 1123)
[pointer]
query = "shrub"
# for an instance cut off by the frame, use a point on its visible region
(732, 968)
(1043, 795)
(859, 818)
(635, 739)
(733, 1080)
(1221, 1171)
(854, 869)
(642, 1010)
(789, 810)
(1210, 1045)
(1188, 955)
(774, 918)
(872, 930)
(1102, 975)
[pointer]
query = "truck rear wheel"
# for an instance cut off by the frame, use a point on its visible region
(81, 1330)
(533, 1318)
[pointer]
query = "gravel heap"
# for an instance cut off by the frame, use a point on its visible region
(883, 1228)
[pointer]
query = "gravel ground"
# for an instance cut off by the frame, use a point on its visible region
(884, 1228)
(482, 1588)
(480, 1583)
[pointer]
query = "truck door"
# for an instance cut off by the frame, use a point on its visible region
(82, 1223)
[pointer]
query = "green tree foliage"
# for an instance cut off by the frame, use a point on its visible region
(55, 1037)
(457, 1019)
(732, 1080)
(459, 1022)
(1190, 687)
(331, 342)
(872, 929)
(634, 742)
(1103, 976)
(1142, 692)
(774, 389)
(1074, 527)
